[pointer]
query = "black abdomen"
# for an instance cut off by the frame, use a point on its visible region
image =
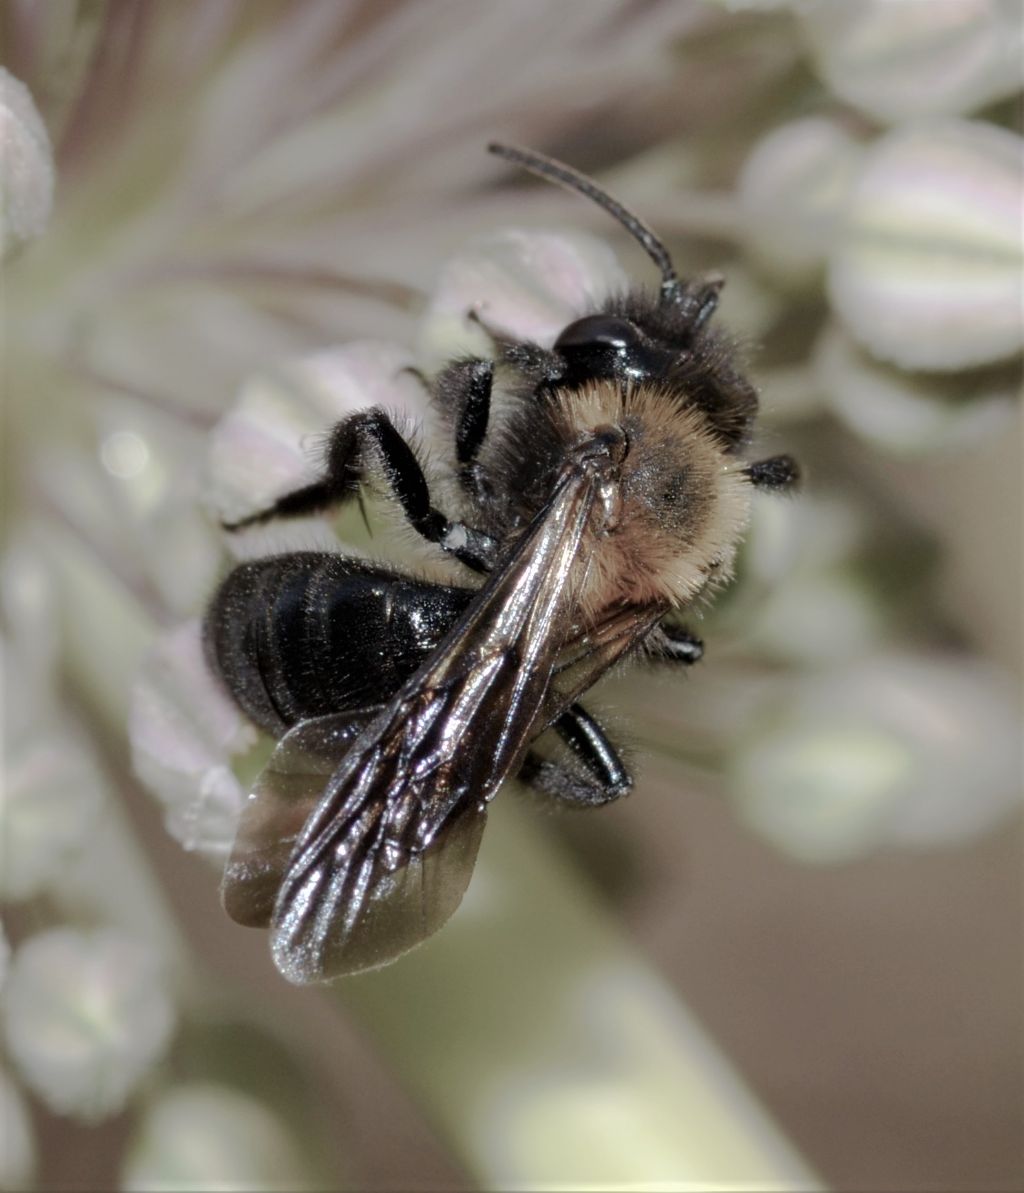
(307, 634)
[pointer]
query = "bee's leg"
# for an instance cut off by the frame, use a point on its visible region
(465, 388)
(540, 366)
(777, 472)
(668, 643)
(601, 775)
(371, 433)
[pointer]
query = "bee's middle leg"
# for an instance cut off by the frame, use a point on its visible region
(601, 776)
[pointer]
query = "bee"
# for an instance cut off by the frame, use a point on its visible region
(607, 492)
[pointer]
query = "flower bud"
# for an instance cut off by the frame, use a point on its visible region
(183, 728)
(207, 1136)
(900, 750)
(52, 794)
(896, 59)
(268, 442)
(910, 413)
(792, 189)
(926, 269)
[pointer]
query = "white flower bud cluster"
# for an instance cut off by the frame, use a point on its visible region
(914, 229)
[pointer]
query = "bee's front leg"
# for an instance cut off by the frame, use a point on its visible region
(465, 388)
(369, 440)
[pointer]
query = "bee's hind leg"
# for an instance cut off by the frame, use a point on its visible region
(600, 776)
(370, 437)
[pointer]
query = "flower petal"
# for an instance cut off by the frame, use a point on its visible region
(527, 285)
(898, 750)
(183, 730)
(52, 794)
(792, 189)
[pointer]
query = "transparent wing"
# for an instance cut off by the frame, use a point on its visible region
(282, 801)
(385, 857)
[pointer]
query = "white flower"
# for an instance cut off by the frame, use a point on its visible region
(266, 444)
(241, 188)
(926, 268)
(527, 285)
(792, 191)
(896, 59)
(51, 796)
(911, 414)
(86, 1016)
(183, 729)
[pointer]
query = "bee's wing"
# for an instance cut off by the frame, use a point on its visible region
(586, 657)
(387, 854)
(283, 799)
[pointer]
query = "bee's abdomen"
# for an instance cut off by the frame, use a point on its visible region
(308, 634)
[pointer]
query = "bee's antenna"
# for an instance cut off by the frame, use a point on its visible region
(555, 171)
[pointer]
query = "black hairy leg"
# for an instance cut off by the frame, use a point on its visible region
(668, 643)
(465, 388)
(356, 440)
(543, 369)
(600, 776)
(777, 472)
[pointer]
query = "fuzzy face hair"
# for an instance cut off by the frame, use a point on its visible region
(681, 502)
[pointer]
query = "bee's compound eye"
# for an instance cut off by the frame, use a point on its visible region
(599, 331)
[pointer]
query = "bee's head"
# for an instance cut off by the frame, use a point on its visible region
(637, 344)
(609, 348)
(660, 338)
